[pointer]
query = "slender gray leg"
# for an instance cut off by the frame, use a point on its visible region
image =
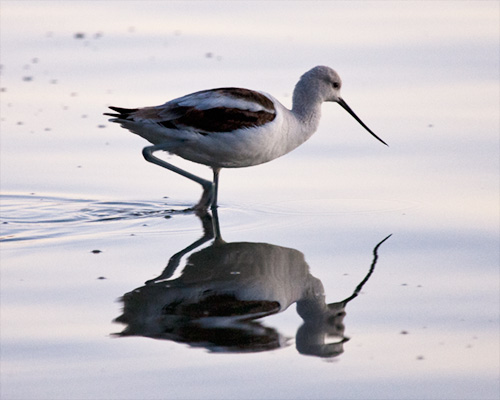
(208, 187)
(216, 187)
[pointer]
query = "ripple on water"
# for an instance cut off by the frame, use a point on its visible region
(334, 206)
(34, 217)
(29, 217)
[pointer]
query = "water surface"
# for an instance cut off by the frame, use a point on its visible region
(112, 288)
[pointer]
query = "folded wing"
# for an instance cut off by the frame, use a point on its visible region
(215, 110)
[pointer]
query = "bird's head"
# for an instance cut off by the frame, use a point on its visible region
(327, 84)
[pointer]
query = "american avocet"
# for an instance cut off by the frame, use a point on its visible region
(232, 127)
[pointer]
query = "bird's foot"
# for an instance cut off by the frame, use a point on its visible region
(207, 200)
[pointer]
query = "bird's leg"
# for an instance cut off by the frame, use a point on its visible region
(208, 187)
(209, 196)
(216, 187)
(205, 201)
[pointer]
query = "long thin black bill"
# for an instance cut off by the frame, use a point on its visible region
(348, 109)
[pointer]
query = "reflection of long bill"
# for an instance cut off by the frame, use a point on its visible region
(365, 279)
(344, 105)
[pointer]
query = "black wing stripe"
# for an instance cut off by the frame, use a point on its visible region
(219, 119)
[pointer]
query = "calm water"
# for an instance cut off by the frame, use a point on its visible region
(110, 289)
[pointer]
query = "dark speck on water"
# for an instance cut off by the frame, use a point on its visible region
(96, 251)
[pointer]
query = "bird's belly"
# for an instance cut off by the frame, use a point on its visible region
(237, 149)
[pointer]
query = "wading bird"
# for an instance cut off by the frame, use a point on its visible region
(232, 127)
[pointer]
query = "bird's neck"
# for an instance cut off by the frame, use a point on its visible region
(306, 106)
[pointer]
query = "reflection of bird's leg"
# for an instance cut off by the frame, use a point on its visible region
(215, 226)
(173, 263)
(208, 196)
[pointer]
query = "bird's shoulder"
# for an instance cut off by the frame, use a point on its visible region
(228, 97)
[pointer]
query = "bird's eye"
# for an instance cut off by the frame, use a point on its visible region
(336, 85)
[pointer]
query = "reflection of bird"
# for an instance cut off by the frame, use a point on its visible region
(222, 292)
(232, 127)
(226, 288)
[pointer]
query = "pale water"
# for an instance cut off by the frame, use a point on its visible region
(86, 221)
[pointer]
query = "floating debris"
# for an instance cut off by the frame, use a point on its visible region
(96, 251)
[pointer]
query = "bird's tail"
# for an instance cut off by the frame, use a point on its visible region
(121, 113)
